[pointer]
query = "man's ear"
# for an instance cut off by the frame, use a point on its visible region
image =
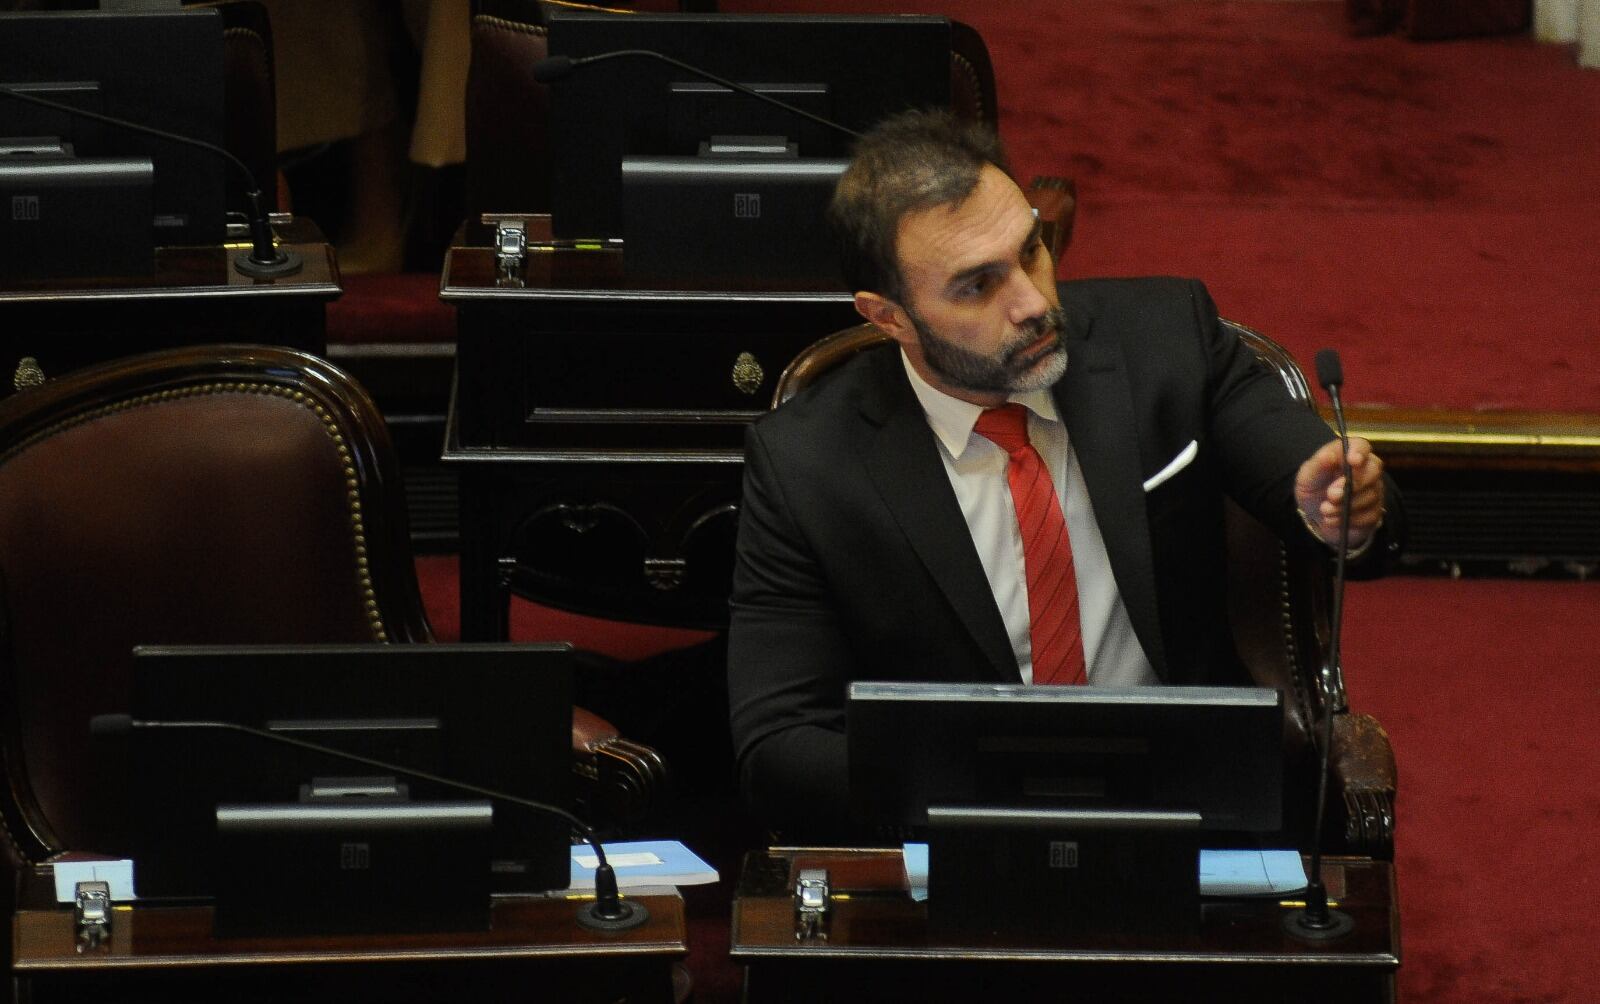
(889, 317)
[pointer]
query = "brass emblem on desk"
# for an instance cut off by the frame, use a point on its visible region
(747, 373)
(28, 374)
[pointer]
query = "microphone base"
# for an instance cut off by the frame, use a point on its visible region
(1300, 924)
(287, 263)
(634, 914)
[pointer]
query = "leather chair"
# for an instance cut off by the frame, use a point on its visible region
(1278, 606)
(215, 494)
(509, 143)
(974, 96)
(251, 96)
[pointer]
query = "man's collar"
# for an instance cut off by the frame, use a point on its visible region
(952, 419)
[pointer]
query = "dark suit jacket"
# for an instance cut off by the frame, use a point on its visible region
(854, 561)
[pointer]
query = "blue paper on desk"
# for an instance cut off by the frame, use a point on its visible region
(642, 863)
(1222, 873)
(1251, 873)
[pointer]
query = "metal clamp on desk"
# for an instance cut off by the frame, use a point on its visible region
(811, 904)
(92, 914)
(510, 250)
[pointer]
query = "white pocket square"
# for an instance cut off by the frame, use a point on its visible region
(1177, 464)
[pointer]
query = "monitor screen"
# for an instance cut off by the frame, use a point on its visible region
(1215, 751)
(850, 69)
(159, 69)
(495, 715)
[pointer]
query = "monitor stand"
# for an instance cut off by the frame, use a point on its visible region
(747, 210)
(352, 863)
(1063, 871)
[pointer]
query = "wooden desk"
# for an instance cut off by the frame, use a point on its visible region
(195, 295)
(879, 945)
(168, 953)
(598, 430)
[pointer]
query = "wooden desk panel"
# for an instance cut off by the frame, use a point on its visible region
(195, 295)
(879, 944)
(156, 952)
(597, 425)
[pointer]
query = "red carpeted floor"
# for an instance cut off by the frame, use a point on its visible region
(1490, 690)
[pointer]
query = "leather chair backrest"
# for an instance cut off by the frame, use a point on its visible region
(972, 88)
(251, 98)
(220, 494)
(508, 118)
(1278, 599)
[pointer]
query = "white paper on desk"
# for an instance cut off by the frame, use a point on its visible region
(117, 874)
(1222, 873)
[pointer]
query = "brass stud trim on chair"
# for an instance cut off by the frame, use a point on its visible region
(973, 81)
(506, 24)
(369, 593)
(28, 374)
(1286, 620)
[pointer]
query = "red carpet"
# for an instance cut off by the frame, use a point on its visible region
(1490, 691)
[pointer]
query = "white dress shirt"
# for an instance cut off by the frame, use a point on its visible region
(977, 471)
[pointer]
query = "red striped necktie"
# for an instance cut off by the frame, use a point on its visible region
(1054, 629)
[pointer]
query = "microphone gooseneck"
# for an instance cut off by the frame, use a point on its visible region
(554, 68)
(1316, 921)
(264, 260)
(608, 912)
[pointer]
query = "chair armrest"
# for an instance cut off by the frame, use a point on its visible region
(619, 782)
(1362, 785)
(1056, 202)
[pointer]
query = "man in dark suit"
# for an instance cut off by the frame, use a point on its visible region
(892, 518)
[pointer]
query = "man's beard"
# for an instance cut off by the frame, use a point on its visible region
(1013, 368)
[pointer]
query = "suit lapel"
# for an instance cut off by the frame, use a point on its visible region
(901, 457)
(1097, 406)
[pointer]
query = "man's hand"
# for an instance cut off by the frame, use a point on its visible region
(1319, 491)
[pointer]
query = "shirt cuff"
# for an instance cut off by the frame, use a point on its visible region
(1355, 552)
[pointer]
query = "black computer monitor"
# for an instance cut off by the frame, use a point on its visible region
(688, 212)
(1071, 806)
(494, 715)
(161, 69)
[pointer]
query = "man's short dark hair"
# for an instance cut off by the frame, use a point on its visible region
(911, 161)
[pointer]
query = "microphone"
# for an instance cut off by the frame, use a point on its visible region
(264, 259)
(1330, 374)
(608, 912)
(1316, 921)
(553, 68)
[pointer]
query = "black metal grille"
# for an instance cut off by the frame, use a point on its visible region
(1515, 516)
(432, 504)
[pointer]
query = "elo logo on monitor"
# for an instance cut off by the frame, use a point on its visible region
(24, 207)
(747, 205)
